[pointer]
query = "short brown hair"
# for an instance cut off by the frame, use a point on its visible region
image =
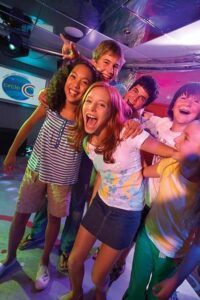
(108, 46)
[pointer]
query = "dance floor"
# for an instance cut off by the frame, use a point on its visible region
(18, 284)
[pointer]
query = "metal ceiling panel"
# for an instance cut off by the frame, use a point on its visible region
(132, 23)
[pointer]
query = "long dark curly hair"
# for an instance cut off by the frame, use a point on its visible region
(56, 97)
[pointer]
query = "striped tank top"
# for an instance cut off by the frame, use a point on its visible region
(53, 156)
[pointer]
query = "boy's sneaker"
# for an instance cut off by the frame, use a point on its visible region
(116, 272)
(42, 278)
(29, 242)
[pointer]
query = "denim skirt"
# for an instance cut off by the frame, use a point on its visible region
(113, 226)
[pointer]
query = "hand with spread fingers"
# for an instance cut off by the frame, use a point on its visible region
(132, 128)
(69, 50)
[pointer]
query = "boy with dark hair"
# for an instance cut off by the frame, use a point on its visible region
(183, 108)
(141, 93)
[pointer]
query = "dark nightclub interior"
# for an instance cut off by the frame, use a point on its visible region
(158, 38)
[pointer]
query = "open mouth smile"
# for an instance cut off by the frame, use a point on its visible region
(90, 121)
(184, 111)
(73, 93)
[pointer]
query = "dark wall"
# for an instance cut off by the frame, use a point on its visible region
(12, 116)
(6, 61)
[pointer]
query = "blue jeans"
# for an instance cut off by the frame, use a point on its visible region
(112, 226)
(79, 197)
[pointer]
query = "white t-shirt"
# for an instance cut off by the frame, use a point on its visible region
(121, 182)
(161, 128)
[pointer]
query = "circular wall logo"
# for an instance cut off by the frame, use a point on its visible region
(18, 87)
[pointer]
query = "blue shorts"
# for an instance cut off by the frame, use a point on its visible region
(113, 226)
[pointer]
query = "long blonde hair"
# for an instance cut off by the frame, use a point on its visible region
(119, 112)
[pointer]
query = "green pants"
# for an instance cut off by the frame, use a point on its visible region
(149, 267)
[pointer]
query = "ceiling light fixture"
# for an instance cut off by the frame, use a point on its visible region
(73, 32)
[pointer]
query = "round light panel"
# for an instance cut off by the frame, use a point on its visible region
(75, 32)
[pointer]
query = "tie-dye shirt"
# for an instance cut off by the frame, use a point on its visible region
(121, 182)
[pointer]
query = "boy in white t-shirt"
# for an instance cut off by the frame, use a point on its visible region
(183, 109)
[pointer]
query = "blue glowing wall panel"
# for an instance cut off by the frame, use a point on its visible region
(19, 87)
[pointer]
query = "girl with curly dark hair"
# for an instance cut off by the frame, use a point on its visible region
(54, 164)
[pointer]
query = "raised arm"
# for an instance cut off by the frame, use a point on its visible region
(22, 134)
(69, 50)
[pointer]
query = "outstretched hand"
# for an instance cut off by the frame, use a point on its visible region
(42, 97)
(69, 50)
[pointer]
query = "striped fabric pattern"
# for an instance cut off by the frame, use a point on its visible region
(53, 156)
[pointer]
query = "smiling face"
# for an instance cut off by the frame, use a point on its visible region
(79, 79)
(96, 110)
(188, 143)
(108, 65)
(186, 109)
(136, 97)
